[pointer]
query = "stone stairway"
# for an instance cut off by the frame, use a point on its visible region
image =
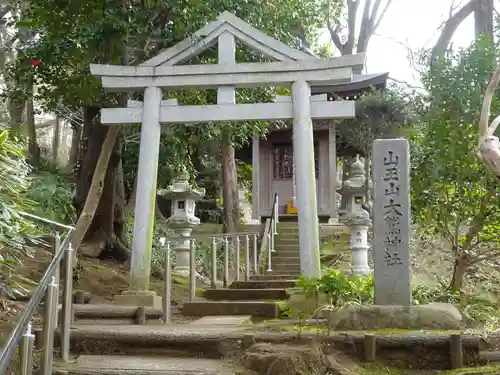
(126, 340)
(154, 348)
(260, 296)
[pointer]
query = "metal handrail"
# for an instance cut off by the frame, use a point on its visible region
(23, 326)
(46, 221)
(272, 231)
(166, 243)
(216, 235)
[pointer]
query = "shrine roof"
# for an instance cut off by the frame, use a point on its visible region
(358, 84)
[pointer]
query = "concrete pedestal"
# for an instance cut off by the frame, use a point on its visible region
(181, 249)
(139, 298)
(359, 248)
(334, 221)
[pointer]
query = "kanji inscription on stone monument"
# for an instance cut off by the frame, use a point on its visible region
(391, 222)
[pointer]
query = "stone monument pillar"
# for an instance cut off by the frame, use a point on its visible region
(355, 217)
(183, 220)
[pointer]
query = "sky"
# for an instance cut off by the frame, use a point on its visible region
(410, 25)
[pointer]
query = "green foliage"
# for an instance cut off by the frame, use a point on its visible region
(378, 115)
(71, 35)
(453, 196)
(15, 231)
(51, 189)
(245, 178)
(340, 287)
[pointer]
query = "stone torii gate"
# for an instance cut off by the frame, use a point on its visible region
(291, 68)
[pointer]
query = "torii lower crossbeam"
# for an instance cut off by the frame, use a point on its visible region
(175, 114)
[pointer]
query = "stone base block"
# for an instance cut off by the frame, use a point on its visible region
(441, 316)
(253, 222)
(334, 221)
(129, 299)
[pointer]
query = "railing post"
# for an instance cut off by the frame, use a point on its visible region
(48, 328)
(192, 270)
(255, 261)
(67, 303)
(247, 257)
(226, 262)
(270, 237)
(26, 352)
(276, 215)
(214, 262)
(237, 258)
(57, 275)
(167, 282)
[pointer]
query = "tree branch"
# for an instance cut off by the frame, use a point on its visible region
(335, 37)
(449, 29)
(382, 15)
(485, 111)
(352, 10)
(365, 26)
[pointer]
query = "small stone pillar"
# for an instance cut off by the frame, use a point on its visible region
(183, 220)
(355, 217)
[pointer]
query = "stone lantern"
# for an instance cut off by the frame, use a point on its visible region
(182, 220)
(355, 216)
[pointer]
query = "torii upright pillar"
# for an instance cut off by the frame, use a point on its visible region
(145, 204)
(305, 179)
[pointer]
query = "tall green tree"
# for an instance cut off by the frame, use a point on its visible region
(453, 196)
(73, 34)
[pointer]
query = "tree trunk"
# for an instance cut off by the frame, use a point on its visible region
(33, 148)
(16, 110)
(131, 199)
(96, 189)
(231, 206)
(100, 239)
(373, 13)
(483, 19)
(120, 227)
(74, 152)
(55, 140)
(460, 268)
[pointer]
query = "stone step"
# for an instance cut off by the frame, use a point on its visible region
(262, 284)
(222, 320)
(245, 294)
(287, 234)
(288, 224)
(112, 314)
(287, 243)
(287, 247)
(285, 268)
(147, 365)
(278, 274)
(177, 340)
(286, 254)
(270, 276)
(262, 309)
(277, 259)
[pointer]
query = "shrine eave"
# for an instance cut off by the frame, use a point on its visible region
(359, 83)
